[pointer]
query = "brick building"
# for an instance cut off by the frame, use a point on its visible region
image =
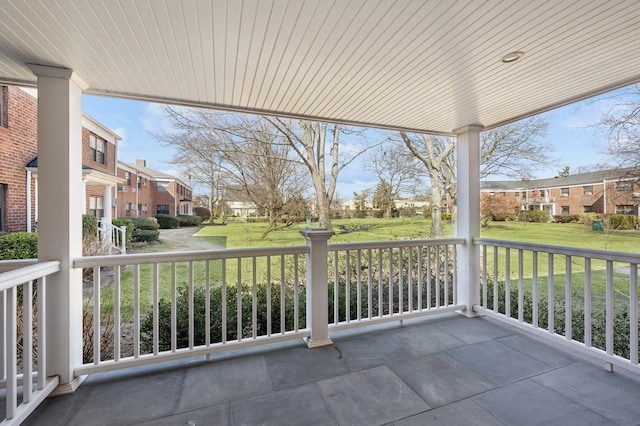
(110, 188)
(608, 192)
(147, 192)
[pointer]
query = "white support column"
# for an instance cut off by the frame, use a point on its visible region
(468, 226)
(317, 287)
(107, 205)
(84, 196)
(60, 221)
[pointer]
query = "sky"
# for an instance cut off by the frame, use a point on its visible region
(572, 136)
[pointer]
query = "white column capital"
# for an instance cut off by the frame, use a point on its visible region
(58, 72)
(468, 129)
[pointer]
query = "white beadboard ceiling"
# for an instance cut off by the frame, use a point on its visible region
(426, 65)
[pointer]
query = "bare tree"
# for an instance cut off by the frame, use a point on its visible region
(311, 141)
(235, 151)
(396, 167)
(511, 150)
(622, 124)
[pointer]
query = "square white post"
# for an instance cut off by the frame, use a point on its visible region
(317, 287)
(468, 224)
(60, 220)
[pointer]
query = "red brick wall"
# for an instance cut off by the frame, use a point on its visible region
(109, 154)
(18, 146)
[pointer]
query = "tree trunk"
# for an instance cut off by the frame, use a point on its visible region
(436, 206)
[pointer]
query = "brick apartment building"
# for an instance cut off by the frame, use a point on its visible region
(608, 192)
(147, 192)
(102, 177)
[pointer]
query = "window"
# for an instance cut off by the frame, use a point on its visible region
(127, 209)
(162, 209)
(564, 192)
(516, 194)
(587, 209)
(139, 182)
(97, 148)
(625, 209)
(127, 176)
(144, 207)
(587, 190)
(96, 207)
(624, 186)
(139, 207)
(122, 189)
(565, 210)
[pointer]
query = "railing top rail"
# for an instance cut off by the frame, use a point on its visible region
(615, 256)
(395, 244)
(183, 256)
(28, 273)
(10, 265)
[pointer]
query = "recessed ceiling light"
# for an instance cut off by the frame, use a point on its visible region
(512, 57)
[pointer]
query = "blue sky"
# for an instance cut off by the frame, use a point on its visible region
(574, 140)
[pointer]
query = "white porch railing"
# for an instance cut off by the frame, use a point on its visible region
(113, 236)
(391, 281)
(586, 299)
(22, 355)
(177, 305)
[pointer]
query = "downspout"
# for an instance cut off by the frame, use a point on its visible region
(28, 201)
(604, 195)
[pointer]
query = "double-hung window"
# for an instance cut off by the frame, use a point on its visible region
(97, 147)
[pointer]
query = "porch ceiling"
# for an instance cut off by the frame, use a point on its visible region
(428, 66)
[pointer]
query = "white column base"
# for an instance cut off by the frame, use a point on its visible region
(316, 343)
(67, 388)
(473, 313)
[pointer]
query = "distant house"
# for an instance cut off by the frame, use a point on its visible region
(609, 192)
(147, 192)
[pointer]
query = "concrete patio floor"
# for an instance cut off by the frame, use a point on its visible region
(447, 370)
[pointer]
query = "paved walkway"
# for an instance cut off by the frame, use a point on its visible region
(185, 240)
(449, 370)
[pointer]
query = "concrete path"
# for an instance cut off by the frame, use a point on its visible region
(185, 240)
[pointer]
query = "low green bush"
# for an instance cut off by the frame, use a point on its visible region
(145, 224)
(566, 218)
(145, 235)
(623, 221)
(502, 217)
(19, 245)
(167, 221)
(445, 216)
(535, 216)
(89, 225)
(128, 223)
(187, 220)
(203, 213)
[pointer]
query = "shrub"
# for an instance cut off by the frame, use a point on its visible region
(128, 223)
(186, 220)
(566, 218)
(89, 224)
(145, 224)
(378, 214)
(199, 305)
(407, 212)
(535, 216)
(445, 216)
(145, 235)
(166, 221)
(502, 217)
(359, 214)
(623, 221)
(19, 245)
(203, 213)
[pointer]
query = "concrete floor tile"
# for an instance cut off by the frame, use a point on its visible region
(217, 382)
(370, 350)
(542, 352)
(500, 364)
(609, 393)
(293, 406)
(465, 412)
(298, 366)
(370, 397)
(441, 379)
(216, 415)
(472, 330)
(530, 403)
(424, 339)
